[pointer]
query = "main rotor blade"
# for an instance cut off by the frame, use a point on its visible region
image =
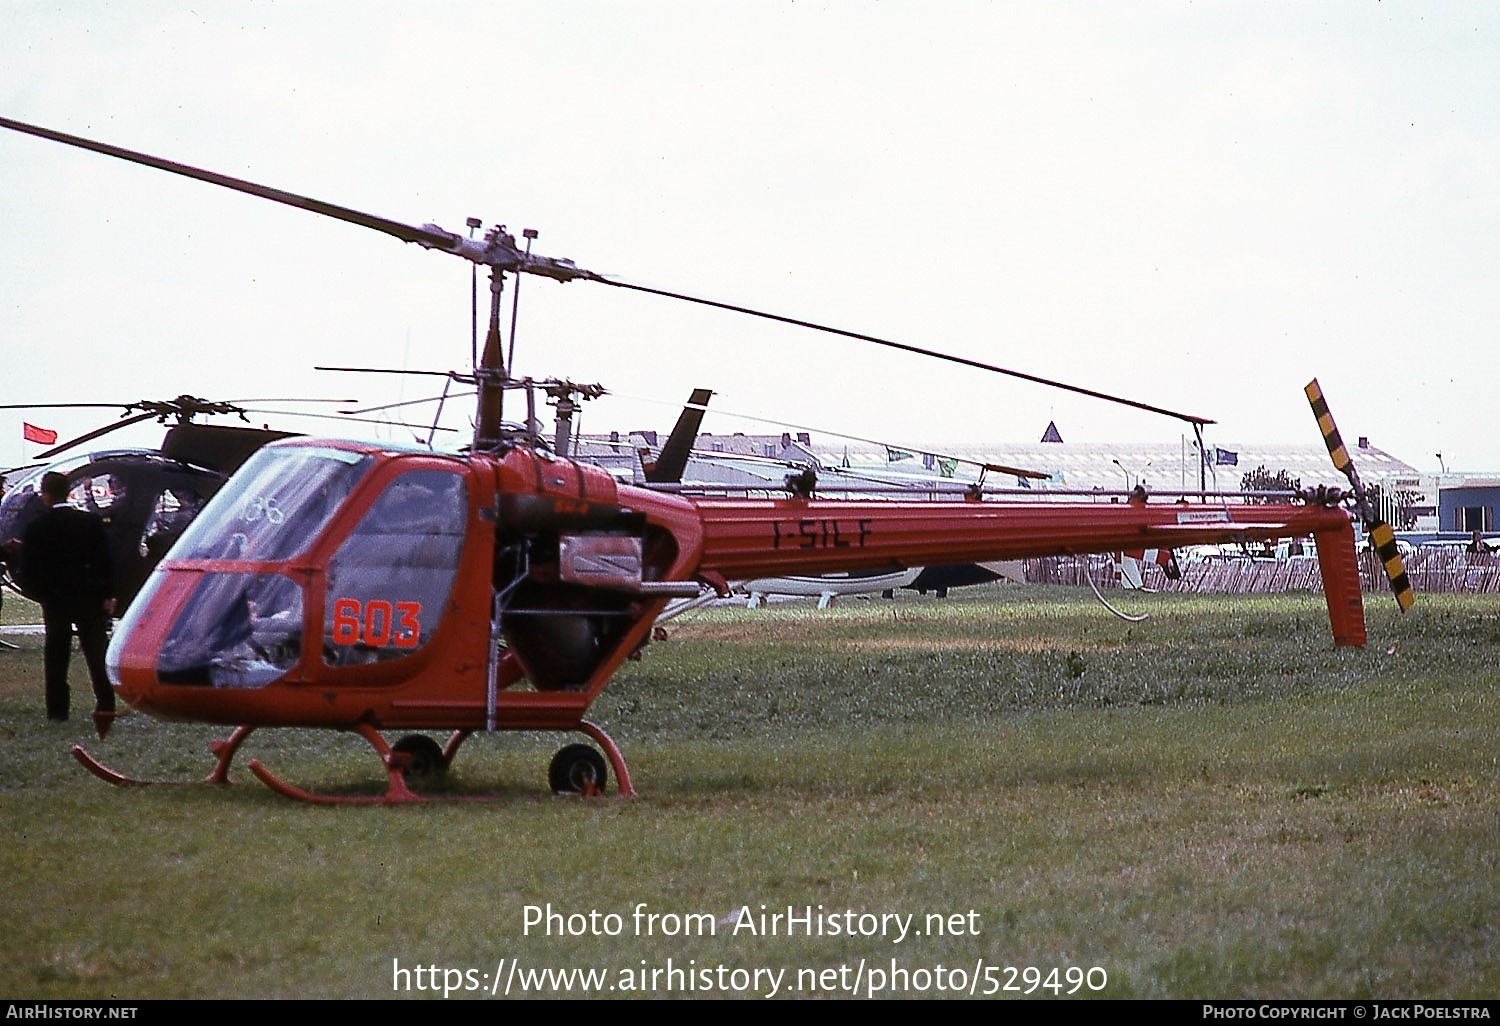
(179, 403)
(404, 232)
(498, 250)
(97, 432)
(918, 350)
(392, 370)
(345, 419)
(908, 348)
(291, 399)
(64, 406)
(347, 414)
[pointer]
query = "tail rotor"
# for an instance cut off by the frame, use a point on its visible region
(1382, 537)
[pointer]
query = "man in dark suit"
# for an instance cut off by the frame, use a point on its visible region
(66, 567)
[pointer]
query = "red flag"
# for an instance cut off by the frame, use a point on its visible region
(42, 436)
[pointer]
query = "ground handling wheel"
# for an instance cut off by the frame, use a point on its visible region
(424, 759)
(578, 769)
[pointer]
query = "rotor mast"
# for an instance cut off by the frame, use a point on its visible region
(491, 376)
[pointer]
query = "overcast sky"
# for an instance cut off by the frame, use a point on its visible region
(1197, 205)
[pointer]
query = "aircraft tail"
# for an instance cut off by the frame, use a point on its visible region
(673, 460)
(1340, 569)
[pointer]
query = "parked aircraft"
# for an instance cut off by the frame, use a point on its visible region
(366, 587)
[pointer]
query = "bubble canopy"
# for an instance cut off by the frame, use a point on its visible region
(383, 578)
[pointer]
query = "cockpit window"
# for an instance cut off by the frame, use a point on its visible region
(389, 582)
(97, 494)
(275, 506)
(175, 510)
(237, 631)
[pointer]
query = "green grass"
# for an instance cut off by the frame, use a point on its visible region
(1211, 803)
(18, 609)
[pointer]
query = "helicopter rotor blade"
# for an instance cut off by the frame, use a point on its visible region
(63, 406)
(346, 414)
(393, 370)
(96, 433)
(908, 348)
(343, 419)
(184, 407)
(290, 399)
(498, 250)
(1336, 449)
(1382, 537)
(452, 376)
(405, 233)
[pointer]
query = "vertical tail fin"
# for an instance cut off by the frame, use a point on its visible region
(1340, 569)
(674, 455)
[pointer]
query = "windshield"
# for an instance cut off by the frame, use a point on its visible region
(238, 630)
(274, 506)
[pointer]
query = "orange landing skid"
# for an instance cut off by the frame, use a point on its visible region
(222, 748)
(398, 792)
(106, 774)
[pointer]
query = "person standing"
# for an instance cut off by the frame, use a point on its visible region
(66, 567)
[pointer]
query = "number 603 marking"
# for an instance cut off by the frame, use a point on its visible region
(377, 623)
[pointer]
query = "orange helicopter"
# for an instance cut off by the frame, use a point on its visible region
(367, 588)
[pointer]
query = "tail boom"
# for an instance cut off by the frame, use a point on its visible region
(747, 538)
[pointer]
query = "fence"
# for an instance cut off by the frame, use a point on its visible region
(1430, 570)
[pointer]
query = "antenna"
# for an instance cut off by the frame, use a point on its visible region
(473, 223)
(515, 302)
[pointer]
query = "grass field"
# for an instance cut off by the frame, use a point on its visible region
(1212, 803)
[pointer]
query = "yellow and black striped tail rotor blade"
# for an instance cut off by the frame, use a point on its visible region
(1330, 432)
(1382, 538)
(1384, 541)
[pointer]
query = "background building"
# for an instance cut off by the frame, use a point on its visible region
(1408, 497)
